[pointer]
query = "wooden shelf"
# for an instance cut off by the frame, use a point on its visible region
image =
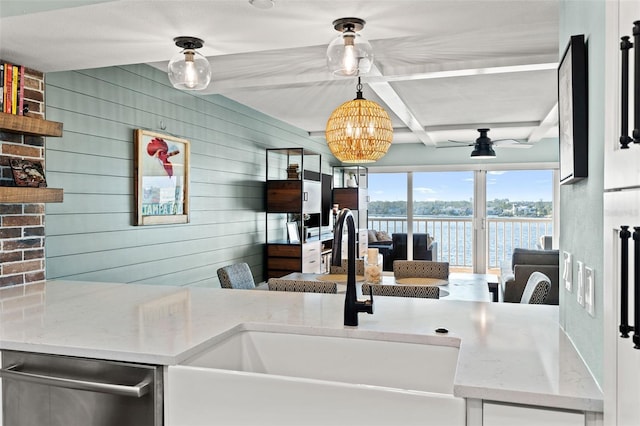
(29, 125)
(11, 194)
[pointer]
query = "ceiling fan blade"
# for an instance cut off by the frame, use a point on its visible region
(498, 143)
(461, 143)
(455, 144)
(511, 143)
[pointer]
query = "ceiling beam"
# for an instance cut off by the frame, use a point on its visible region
(550, 120)
(476, 126)
(473, 71)
(374, 77)
(393, 101)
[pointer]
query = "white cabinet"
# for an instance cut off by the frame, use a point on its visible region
(311, 257)
(622, 360)
(621, 208)
(496, 414)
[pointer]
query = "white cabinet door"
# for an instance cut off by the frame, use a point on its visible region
(622, 166)
(621, 359)
(311, 197)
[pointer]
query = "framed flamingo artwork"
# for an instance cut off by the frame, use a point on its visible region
(161, 170)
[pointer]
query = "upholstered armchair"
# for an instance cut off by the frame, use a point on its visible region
(428, 292)
(424, 248)
(236, 276)
(524, 262)
(420, 269)
(306, 286)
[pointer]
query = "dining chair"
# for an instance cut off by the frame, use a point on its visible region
(237, 275)
(306, 286)
(342, 269)
(424, 291)
(537, 289)
(421, 269)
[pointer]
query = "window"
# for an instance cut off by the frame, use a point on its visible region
(388, 202)
(443, 208)
(519, 210)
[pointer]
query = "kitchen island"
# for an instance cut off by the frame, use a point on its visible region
(509, 353)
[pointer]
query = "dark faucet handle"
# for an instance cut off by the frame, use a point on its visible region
(370, 301)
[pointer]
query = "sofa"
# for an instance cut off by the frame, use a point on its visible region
(514, 274)
(424, 248)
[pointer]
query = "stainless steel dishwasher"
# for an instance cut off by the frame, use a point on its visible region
(54, 390)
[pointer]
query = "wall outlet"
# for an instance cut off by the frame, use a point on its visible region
(589, 296)
(580, 284)
(567, 270)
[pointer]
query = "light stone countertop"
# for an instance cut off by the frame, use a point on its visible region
(508, 352)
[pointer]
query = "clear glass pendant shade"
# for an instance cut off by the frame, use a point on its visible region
(349, 55)
(189, 70)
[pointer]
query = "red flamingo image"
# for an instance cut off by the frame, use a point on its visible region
(158, 148)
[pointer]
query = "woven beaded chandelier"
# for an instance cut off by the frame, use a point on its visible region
(359, 131)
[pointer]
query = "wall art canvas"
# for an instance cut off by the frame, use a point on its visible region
(28, 173)
(573, 111)
(162, 178)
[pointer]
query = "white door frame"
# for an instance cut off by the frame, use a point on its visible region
(479, 244)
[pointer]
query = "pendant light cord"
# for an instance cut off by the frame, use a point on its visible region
(359, 90)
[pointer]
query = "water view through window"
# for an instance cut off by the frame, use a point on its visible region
(518, 211)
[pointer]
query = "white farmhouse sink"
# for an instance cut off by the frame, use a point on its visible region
(265, 374)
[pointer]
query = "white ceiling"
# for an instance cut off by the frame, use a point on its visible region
(443, 68)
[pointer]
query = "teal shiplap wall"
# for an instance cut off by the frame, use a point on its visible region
(583, 238)
(91, 235)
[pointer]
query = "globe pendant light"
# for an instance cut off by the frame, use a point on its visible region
(483, 147)
(359, 131)
(349, 54)
(189, 70)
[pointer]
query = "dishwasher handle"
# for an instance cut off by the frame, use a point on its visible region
(14, 372)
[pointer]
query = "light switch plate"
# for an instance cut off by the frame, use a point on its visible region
(589, 296)
(567, 272)
(580, 284)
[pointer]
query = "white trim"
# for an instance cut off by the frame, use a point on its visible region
(555, 200)
(479, 243)
(410, 215)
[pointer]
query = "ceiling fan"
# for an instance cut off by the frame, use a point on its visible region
(483, 146)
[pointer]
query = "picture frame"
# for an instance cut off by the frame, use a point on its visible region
(292, 232)
(161, 176)
(573, 111)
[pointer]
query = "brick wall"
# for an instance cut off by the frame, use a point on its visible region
(22, 225)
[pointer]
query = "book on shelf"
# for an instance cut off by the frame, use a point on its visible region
(12, 88)
(8, 80)
(21, 91)
(292, 171)
(2, 87)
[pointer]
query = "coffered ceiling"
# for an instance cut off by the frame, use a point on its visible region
(443, 68)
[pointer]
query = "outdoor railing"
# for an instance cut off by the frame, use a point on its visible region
(455, 235)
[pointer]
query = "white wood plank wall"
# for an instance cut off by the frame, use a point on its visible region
(91, 236)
